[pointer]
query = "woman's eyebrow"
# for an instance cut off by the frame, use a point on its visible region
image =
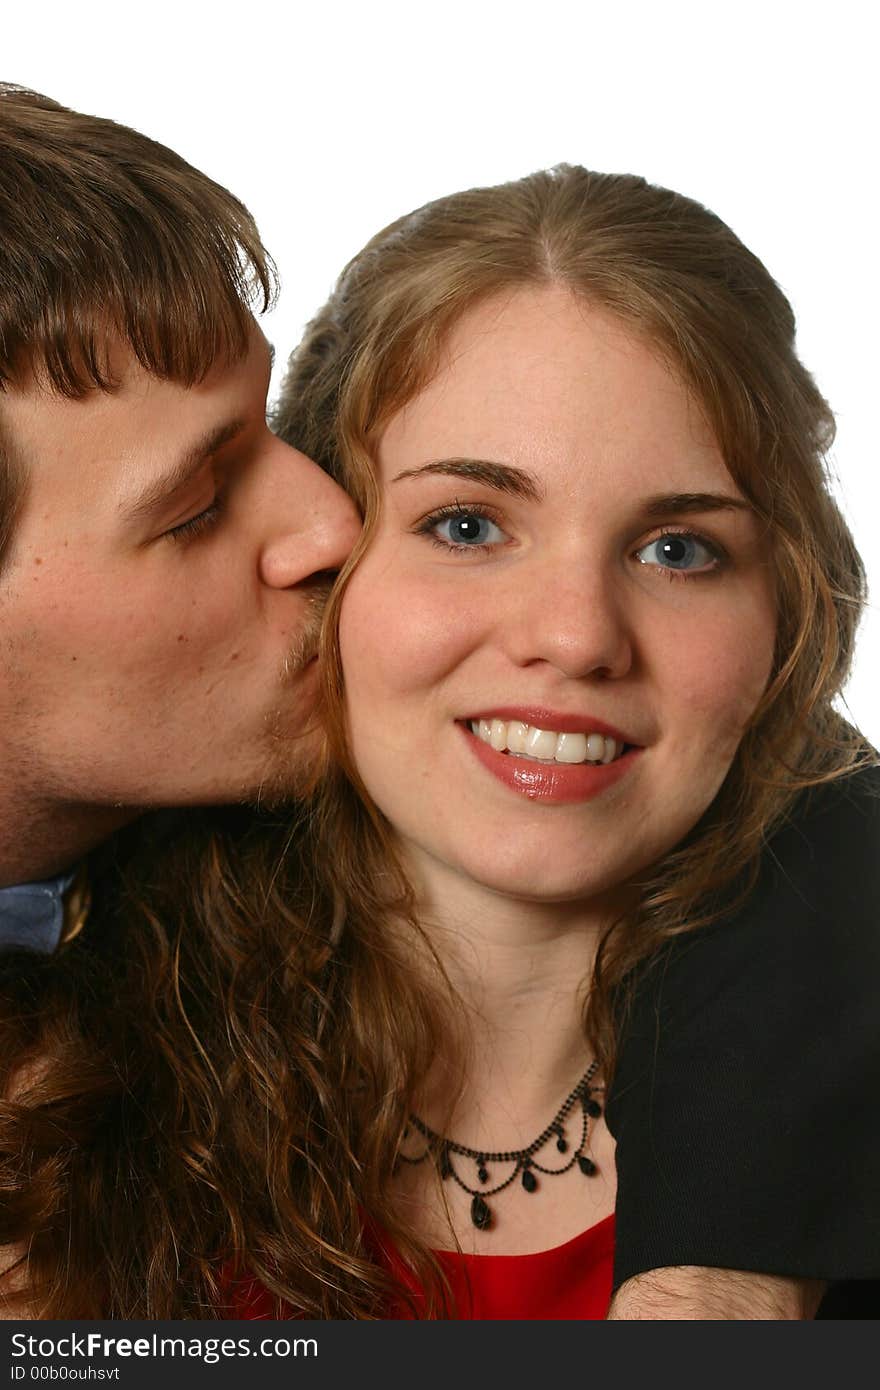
(679, 502)
(501, 476)
(519, 483)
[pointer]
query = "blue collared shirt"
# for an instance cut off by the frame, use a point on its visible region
(32, 914)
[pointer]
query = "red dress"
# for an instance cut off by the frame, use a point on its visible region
(570, 1281)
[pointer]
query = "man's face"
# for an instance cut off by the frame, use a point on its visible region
(159, 606)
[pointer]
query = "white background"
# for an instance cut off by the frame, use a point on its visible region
(331, 119)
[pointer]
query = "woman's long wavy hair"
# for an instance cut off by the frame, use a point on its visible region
(215, 1076)
(677, 275)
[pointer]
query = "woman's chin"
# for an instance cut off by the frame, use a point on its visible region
(537, 878)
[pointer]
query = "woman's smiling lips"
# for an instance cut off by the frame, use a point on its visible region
(548, 756)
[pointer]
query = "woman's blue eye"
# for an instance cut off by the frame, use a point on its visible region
(467, 529)
(678, 553)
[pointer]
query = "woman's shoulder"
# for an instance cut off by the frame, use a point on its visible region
(810, 923)
(839, 819)
(742, 1101)
(776, 1000)
(819, 880)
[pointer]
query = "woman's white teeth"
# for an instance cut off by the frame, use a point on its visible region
(572, 748)
(498, 735)
(516, 736)
(595, 748)
(541, 743)
(545, 745)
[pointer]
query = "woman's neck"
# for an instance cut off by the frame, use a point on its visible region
(521, 969)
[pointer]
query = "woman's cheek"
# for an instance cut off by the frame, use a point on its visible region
(727, 671)
(399, 635)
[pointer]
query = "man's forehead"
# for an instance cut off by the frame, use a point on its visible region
(142, 435)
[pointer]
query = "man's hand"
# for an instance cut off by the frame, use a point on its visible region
(695, 1293)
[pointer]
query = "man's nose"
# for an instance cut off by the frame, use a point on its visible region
(573, 617)
(311, 523)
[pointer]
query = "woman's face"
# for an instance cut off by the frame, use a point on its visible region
(566, 616)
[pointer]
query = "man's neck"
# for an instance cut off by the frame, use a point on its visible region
(40, 841)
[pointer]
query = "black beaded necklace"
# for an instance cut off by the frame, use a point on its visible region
(441, 1151)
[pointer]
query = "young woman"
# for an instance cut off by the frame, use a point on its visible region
(585, 659)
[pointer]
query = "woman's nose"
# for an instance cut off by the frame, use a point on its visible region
(572, 616)
(311, 524)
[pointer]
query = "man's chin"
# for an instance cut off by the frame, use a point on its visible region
(292, 770)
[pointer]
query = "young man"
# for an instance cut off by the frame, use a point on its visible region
(163, 556)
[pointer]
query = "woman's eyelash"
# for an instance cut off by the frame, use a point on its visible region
(453, 511)
(203, 521)
(713, 548)
(675, 568)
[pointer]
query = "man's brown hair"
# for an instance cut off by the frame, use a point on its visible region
(106, 235)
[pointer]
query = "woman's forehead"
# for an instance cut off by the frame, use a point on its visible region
(539, 378)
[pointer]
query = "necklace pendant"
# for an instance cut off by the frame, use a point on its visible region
(440, 1150)
(480, 1213)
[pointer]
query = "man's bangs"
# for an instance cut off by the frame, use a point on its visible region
(178, 321)
(109, 237)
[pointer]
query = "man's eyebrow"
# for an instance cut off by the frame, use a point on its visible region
(158, 490)
(683, 502)
(501, 476)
